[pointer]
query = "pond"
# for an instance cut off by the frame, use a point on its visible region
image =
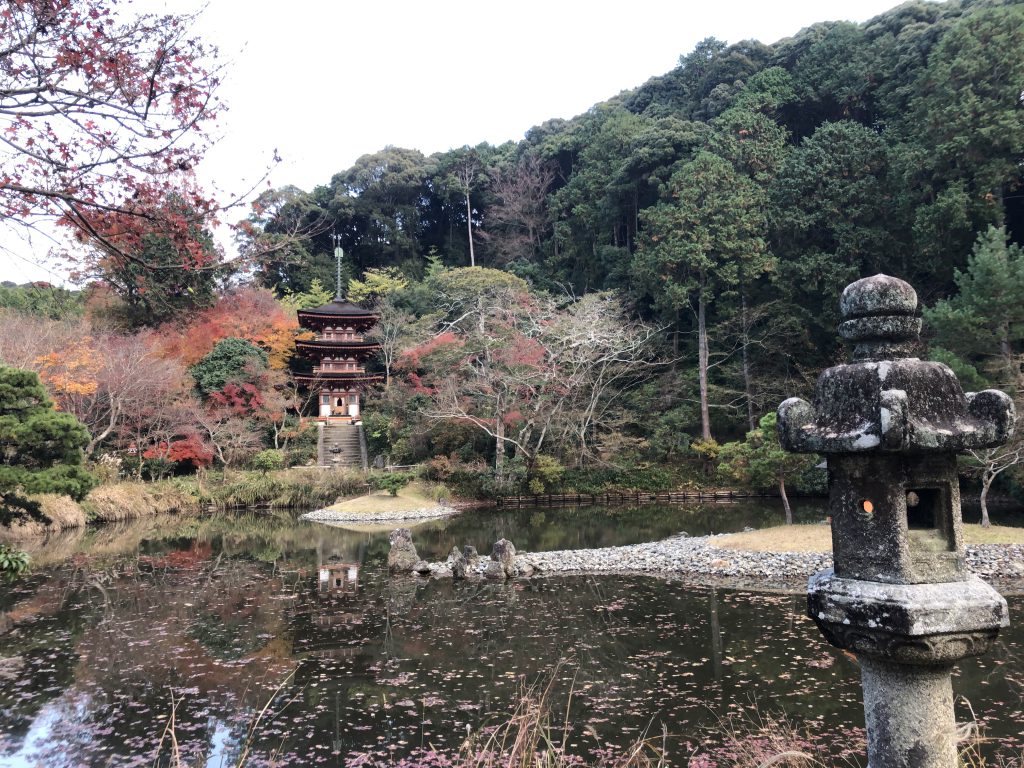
(216, 617)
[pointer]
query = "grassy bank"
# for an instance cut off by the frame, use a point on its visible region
(300, 488)
(818, 538)
(108, 503)
(130, 500)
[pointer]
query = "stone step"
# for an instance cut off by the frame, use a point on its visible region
(340, 446)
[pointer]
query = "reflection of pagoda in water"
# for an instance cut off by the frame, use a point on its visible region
(338, 577)
(339, 351)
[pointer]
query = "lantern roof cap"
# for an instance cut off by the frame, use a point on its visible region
(886, 399)
(878, 295)
(881, 318)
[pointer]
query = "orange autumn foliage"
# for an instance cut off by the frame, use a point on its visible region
(71, 371)
(246, 313)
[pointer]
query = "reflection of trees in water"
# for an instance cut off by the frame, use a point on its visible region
(412, 660)
(133, 636)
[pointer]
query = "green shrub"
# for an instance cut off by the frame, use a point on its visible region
(157, 468)
(392, 482)
(631, 477)
(230, 360)
(267, 461)
(302, 445)
(42, 447)
(545, 474)
(13, 563)
(377, 427)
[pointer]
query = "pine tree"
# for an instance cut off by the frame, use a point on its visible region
(40, 448)
(761, 462)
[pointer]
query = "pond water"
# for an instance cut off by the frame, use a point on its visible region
(216, 617)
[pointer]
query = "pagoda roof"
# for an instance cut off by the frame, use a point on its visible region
(338, 308)
(336, 345)
(339, 377)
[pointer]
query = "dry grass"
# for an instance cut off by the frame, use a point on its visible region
(996, 534)
(22, 531)
(782, 538)
(130, 500)
(749, 738)
(528, 738)
(290, 488)
(413, 496)
(818, 538)
(61, 513)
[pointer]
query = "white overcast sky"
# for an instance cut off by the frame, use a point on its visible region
(324, 82)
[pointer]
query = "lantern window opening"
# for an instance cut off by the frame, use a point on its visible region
(928, 519)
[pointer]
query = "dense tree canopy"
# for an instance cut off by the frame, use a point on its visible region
(231, 360)
(641, 283)
(729, 201)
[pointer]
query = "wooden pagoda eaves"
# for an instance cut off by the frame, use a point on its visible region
(337, 313)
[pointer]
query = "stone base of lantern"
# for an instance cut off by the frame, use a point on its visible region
(908, 711)
(907, 623)
(907, 638)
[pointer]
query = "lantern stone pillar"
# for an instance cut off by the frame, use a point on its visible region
(899, 595)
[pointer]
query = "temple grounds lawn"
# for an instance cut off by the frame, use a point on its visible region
(411, 497)
(818, 538)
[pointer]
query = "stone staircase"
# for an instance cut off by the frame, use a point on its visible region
(342, 445)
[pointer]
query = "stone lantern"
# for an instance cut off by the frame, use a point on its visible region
(899, 595)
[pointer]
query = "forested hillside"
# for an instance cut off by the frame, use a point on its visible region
(737, 193)
(604, 303)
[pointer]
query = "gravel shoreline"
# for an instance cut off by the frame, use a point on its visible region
(696, 556)
(338, 516)
(693, 558)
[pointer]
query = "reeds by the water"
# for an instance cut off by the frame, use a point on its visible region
(295, 488)
(129, 500)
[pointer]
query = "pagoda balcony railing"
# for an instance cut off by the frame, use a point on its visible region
(319, 369)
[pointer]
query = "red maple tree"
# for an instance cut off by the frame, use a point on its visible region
(103, 115)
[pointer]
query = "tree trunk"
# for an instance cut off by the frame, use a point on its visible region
(986, 483)
(636, 217)
(111, 423)
(785, 500)
(745, 341)
(469, 230)
(499, 447)
(675, 342)
(1006, 352)
(702, 364)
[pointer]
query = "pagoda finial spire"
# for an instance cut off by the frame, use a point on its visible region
(338, 255)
